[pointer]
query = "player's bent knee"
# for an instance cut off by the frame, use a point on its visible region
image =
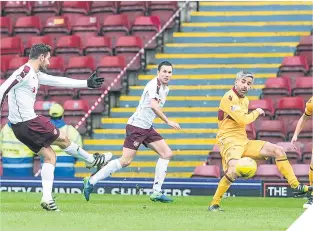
(63, 141)
(167, 155)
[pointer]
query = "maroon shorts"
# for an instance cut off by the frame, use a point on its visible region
(36, 133)
(136, 136)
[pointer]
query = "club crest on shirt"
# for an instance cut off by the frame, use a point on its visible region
(230, 97)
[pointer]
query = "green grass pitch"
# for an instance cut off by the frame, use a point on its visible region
(115, 212)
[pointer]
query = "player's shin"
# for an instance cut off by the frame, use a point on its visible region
(222, 188)
(106, 171)
(160, 173)
(47, 176)
(286, 170)
(76, 151)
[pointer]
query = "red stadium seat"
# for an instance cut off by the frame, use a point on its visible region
(250, 129)
(307, 153)
(267, 172)
(11, 46)
(132, 9)
(129, 46)
(42, 107)
(165, 10)
(14, 64)
(98, 47)
(56, 27)
(45, 9)
(305, 134)
(27, 27)
(35, 40)
(276, 88)
(272, 131)
(289, 109)
(304, 87)
(5, 27)
(68, 46)
(266, 105)
(109, 68)
(5, 61)
(56, 66)
(5, 107)
(294, 155)
(101, 9)
(206, 171)
(75, 9)
(80, 67)
(16, 9)
(74, 110)
(301, 171)
(214, 157)
(305, 48)
(86, 28)
(146, 27)
(294, 66)
(115, 26)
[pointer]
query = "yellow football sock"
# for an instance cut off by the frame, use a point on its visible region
(311, 176)
(286, 170)
(222, 187)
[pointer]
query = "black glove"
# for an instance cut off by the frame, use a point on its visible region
(94, 81)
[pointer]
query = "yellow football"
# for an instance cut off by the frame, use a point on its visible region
(246, 167)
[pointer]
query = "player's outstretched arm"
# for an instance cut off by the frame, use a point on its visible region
(300, 126)
(157, 110)
(233, 109)
(6, 87)
(92, 82)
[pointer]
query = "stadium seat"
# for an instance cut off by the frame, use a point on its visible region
(5, 61)
(5, 107)
(101, 9)
(45, 9)
(294, 155)
(98, 47)
(129, 46)
(267, 172)
(303, 88)
(115, 26)
(56, 66)
(276, 88)
(305, 134)
(289, 109)
(56, 27)
(75, 9)
(132, 9)
(301, 171)
(307, 153)
(42, 107)
(68, 46)
(5, 27)
(206, 171)
(294, 66)
(16, 9)
(146, 27)
(250, 129)
(85, 28)
(272, 131)
(80, 67)
(165, 10)
(109, 68)
(214, 157)
(74, 110)
(266, 105)
(14, 64)
(27, 27)
(35, 40)
(305, 48)
(11, 46)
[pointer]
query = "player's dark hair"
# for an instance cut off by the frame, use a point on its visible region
(39, 49)
(164, 63)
